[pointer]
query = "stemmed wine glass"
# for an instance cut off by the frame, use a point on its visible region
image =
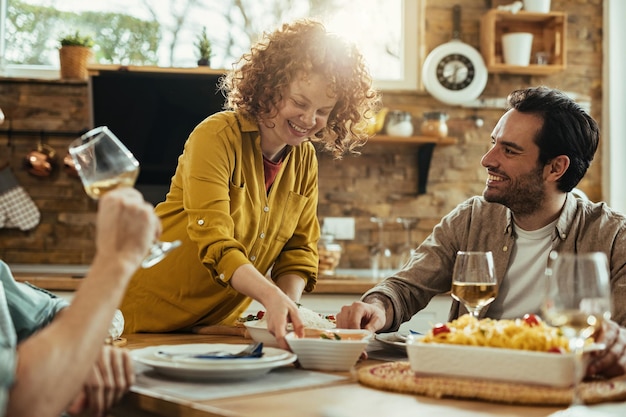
(406, 250)
(474, 280)
(577, 301)
(381, 256)
(103, 164)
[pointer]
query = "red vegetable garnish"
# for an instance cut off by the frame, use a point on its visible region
(440, 328)
(556, 349)
(531, 320)
(260, 314)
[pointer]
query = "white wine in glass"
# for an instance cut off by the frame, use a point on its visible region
(103, 163)
(577, 301)
(474, 281)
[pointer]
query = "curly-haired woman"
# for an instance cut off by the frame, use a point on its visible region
(244, 196)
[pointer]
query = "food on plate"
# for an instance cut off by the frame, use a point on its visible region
(310, 318)
(527, 333)
(334, 334)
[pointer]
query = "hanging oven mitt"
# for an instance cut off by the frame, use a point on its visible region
(17, 209)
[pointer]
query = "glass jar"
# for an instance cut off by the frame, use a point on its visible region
(434, 124)
(329, 254)
(399, 123)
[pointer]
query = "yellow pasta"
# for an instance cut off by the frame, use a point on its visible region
(510, 334)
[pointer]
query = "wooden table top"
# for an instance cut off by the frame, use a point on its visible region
(344, 398)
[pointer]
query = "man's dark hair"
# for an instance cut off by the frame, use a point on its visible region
(567, 130)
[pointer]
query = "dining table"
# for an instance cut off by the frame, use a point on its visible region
(330, 394)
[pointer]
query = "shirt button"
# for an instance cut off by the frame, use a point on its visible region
(200, 222)
(505, 248)
(253, 258)
(563, 236)
(262, 235)
(266, 209)
(223, 277)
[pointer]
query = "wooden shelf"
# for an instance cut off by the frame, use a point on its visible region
(412, 140)
(426, 146)
(94, 69)
(549, 35)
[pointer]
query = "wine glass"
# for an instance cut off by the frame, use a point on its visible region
(474, 280)
(406, 250)
(381, 256)
(103, 164)
(578, 299)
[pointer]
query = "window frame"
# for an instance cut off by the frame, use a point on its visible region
(413, 23)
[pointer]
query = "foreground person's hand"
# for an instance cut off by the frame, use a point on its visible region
(611, 361)
(109, 379)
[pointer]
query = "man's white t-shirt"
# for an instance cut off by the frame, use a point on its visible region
(524, 284)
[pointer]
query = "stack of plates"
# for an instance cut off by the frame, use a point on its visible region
(177, 361)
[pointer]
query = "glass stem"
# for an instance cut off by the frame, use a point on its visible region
(577, 346)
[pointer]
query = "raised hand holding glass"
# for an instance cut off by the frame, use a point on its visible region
(103, 163)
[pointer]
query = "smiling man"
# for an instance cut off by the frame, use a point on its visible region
(541, 148)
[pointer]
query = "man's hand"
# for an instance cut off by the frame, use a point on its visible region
(360, 315)
(110, 378)
(611, 361)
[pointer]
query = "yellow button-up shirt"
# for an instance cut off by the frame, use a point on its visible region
(218, 207)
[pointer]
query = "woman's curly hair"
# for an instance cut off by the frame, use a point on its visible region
(257, 82)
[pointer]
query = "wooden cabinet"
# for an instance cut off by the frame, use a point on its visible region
(549, 36)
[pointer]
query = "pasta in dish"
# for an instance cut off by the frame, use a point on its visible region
(529, 333)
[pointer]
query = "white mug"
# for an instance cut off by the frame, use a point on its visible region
(516, 48)
(537, 6)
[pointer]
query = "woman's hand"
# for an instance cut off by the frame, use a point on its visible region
(611, 361)
(109, 379)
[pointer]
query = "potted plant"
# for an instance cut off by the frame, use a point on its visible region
(74, 54)
(204, 48)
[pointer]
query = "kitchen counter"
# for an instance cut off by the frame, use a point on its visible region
(69, 278)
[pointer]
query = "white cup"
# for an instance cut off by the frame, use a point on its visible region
(516, 48)
(537, 6)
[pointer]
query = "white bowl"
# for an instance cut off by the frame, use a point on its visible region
(481, 362)
(259, 333)
(329, 354)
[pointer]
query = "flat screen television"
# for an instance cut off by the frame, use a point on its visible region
(153, 113)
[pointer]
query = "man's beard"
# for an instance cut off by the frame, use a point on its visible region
(525, 196)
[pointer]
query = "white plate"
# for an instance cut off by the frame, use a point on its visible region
(512, 365)
(213, 369)
(396, 340)
(182, 353)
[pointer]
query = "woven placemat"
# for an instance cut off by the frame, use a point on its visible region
(398, 377)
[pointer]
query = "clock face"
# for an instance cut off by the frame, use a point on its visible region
(455, 72)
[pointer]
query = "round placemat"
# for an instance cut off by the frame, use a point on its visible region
(398, 377)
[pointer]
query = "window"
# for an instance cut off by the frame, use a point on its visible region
(164, 32)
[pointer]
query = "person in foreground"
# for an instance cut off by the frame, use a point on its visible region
(541, 148)
(243, 199)
(52, 355)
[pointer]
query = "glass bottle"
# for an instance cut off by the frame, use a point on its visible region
(434, 124)
(399, 123)
(329, 255)
(381, 256)
(407, 249)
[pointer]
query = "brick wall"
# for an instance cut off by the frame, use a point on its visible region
(382, 181)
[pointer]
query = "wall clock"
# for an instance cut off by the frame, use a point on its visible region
(455, 72)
